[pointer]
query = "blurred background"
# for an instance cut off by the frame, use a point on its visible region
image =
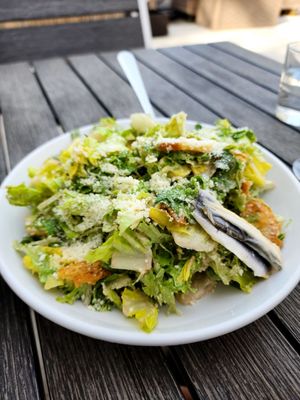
(31, 29)
(263, 26)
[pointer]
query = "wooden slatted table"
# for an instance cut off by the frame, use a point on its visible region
(42, 99)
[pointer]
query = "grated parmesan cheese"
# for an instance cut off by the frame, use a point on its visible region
(126, 183)
(78, 251)
(109, 168)
(159, 182)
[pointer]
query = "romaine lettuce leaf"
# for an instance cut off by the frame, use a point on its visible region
(136, 261)
(71, 296)
(39, 260)
(112, 295)
(160, 287)
(136, 304)
(153, 233)
(108, 122)
(127, 220)
(176, 126)
(230, 270)
(230, 134)
(130, 243)
(25, 196)
(169, 276)
(103, 252)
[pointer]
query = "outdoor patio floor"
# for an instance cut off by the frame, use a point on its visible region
(269, 41)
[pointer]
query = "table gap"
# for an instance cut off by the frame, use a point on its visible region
(245, 364)
(56, 118)
(224, 87)
(43, 385)
(179, 374)
(90, 89)
(289, 313)
(227, 51)
(125, 80)
(283, 329)
(191, 50)
(33, 331)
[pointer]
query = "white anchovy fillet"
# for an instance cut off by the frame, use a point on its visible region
(237, 235)
(254, 262)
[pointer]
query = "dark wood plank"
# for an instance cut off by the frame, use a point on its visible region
(288, 313)
(164, 95)
(279, 138)
(74, 105)
(60, 40)
(79, 367)
(115, 94)
(26, 9)
(238, 66)
(27, 118)
(255, 362)
(228, 80)
(18, 372)
(250, 56)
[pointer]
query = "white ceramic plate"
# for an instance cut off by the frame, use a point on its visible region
(224, 311)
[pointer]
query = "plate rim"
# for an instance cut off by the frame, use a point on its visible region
(137, 337)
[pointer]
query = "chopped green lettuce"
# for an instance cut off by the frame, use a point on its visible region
(117, 209)
(176, 126)
(25, 196)
(128, 220)
(153, 233)
(129, 242)
(134, 261)
(112, 295)
(73, 295)
(136, 304)
(230, 270)
(167, 277)
(39, 259)
(103, 252)
(108, 122)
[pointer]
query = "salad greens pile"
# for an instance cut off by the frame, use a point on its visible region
(111, 219)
